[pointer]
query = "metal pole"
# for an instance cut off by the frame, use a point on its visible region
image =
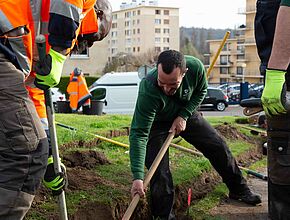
(227, 34)
(40, 40)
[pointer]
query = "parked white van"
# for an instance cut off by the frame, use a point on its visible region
(118, 90)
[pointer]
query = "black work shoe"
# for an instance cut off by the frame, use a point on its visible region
(247, 197)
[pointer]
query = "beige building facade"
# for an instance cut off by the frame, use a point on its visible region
(238, 61)
(142, 28)
(136, 29)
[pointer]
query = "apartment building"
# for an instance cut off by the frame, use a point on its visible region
(136, 29)
(139, 28)
(238, 61)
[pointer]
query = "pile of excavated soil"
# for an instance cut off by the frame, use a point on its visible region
(230, 132)
(88, 159)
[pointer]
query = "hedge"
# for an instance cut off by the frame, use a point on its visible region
(64, 81)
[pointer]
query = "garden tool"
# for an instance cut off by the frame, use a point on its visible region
(149, 175)
(41, 47)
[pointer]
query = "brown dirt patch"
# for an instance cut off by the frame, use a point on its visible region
(82, 179)
(93, 211)
(234, 210)
(230, 132)
(88, 159)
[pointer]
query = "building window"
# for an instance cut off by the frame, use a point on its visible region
(165, 39)
(241, 48)
(114, 33)
(138, 12)
(240, 70)
(128, 32)
(157, 21)
(114, 25)
(157, 40)
(224, 70)
(223, 59)
(133, 22)
(166, 21)
(157, 49)
(127, 14)
(157, 30)
(166, 31)
(241, 57)
(157, 12)
(134, 31)
(128, 41)
(115, 17)
(83, 55)
(225, 48)
(138, 49)
(165, 48)
(223, 80)
(133, 49)
(114, 50)
(138, 21)
(166, 12)
(138, 31)
(134, 13)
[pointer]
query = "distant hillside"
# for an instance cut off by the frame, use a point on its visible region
(198, 36)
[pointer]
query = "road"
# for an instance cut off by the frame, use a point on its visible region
(232, 110)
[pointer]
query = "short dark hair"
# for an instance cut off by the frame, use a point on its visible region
(170, 59)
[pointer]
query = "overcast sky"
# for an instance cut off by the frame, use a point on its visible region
(203, 13)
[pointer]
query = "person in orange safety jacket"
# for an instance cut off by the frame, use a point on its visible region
(23, 141)
(78, 91)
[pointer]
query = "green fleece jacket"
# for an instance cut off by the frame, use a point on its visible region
(153, 105)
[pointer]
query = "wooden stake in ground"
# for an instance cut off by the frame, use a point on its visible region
(149, 175)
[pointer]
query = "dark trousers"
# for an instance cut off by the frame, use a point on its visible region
(278, 126)
(279, 167)
(23, 144)
(205, 138)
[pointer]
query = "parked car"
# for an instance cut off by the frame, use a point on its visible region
(230, 88)
(215, 99)
(256, 90)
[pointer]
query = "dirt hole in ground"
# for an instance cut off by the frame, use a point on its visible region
(231, 132)
(88, 159)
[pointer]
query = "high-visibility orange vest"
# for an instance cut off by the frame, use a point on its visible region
(78, 92)
(25, 14)
(33, 16)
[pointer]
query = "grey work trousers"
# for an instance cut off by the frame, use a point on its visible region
(205, 138)
(23, 144)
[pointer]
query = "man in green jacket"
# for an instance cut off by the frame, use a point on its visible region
(168, 100)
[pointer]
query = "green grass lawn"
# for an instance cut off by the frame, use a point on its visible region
(185, 167)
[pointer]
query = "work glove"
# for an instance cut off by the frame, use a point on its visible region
(55, 181)
(274, 94)
(48, 70)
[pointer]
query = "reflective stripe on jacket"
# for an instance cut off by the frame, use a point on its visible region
(22, 20)
(78, 91)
